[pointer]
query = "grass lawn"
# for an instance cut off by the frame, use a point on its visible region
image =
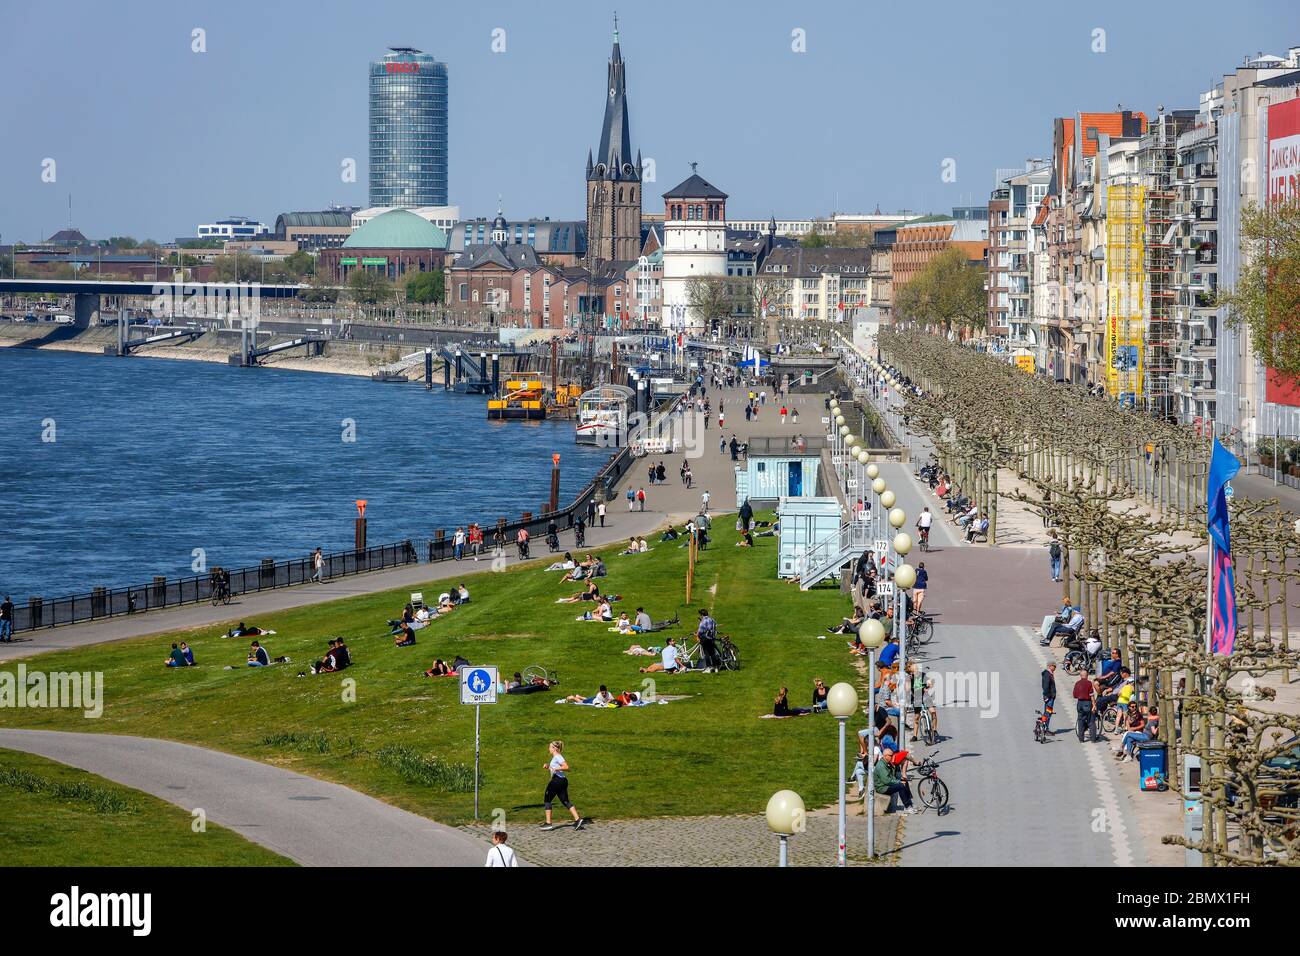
(56, 815)
(707, 753)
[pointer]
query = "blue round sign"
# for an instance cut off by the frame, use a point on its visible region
(479, 681)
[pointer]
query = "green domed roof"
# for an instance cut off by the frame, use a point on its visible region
(397, 229)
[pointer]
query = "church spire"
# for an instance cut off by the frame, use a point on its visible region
(613, 159)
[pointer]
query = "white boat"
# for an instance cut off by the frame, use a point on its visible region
(603, 414)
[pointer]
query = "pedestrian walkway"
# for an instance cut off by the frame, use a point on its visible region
(307, 820)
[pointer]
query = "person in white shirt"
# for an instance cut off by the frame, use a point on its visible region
(500, 854)
(668, 662)
(923, 519)
(704, 502)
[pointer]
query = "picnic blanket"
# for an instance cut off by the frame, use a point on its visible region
(639, 703)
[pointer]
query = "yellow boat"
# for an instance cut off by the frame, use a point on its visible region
(523, 396)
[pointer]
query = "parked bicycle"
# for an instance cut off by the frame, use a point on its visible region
(932, 791)
(727, 654)
(920, 629)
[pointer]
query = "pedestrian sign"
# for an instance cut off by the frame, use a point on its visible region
(1227, 490)
(478, 685)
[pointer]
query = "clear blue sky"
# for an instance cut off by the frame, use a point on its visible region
(151, 139)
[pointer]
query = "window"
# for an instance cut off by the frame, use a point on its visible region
(464, 292)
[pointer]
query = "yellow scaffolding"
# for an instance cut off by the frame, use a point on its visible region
(1125, 291)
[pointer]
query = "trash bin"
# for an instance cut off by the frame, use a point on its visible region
(1153, 765)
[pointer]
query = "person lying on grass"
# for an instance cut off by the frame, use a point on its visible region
(669, 662)
(781, 706)
(440, 668)
(627, 698)
(603, 612)
(537, 684)
(246, 630)
(405, 637)
(636, 650)
(180, 656)
(568, 564)
(601, 698)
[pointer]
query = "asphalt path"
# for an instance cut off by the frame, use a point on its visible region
(311, 822)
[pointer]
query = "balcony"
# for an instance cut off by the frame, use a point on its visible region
(1207, 170)
(1207, 212)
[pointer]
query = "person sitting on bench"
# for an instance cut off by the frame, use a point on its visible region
(1072, 626)
(977, 528)
(405, 637)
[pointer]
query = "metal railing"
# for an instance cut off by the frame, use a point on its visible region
(851, 537)
(268, 575)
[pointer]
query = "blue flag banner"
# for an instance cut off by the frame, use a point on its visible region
(1223, 604)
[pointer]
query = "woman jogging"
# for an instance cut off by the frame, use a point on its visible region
(558, 788)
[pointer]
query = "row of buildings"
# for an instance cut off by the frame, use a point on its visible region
(1105, 257)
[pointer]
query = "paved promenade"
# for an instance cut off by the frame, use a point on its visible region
(307, 820)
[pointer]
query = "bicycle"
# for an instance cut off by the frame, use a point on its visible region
(920, 629)
(727, 654)
(924, 535)
(1110, 719)
(1041, 732)
(1078, 661)
(932, 791)
(220, 594)
(925, 728)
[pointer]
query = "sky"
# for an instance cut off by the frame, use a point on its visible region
(795, 109)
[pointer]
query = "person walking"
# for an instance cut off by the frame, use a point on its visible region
(784, 412)
(722, 444)
(631, 498)
(458, 544)
(600, 513)
(1049, 694)
(640, 499)
(918, 589)
(704, 502)
(476, 539)
(1084, 693)
(7, 620)
(500, 854)
(317, 566)
(558, 787)
(1054, 555)
(591, 511)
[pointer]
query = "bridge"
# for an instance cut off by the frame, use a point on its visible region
(86, 293)
(127, 346)
(249, 355)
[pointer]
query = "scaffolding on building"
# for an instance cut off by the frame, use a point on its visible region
(1158, 158)
(1125, 291)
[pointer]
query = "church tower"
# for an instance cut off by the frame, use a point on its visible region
(614, 176)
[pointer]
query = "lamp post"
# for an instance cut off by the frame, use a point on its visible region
(898, 518)
(842, 702)
(863, 458)
(872, 635)
(873, 473)
(879, 487)
(785, 816)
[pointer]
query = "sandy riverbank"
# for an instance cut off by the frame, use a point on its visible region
(339, 358)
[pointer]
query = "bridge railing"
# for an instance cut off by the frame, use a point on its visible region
(160, 592)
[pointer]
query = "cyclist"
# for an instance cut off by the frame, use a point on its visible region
(923, 523)
(921, 694)
(1049, 694)
(521, 540)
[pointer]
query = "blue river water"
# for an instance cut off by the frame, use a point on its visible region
(153, 458)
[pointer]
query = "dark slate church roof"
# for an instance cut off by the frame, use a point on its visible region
(695, 187)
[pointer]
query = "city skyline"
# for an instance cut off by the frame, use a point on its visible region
(257, 126)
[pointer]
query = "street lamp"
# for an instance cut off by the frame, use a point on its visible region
(904, 578)
(785, 816)
(842, 702)
(872, 636)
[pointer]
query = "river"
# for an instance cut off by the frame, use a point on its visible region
(114, 470)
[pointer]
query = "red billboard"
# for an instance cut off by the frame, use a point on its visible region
(1283, 182)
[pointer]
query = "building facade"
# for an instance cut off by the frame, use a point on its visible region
(695, 246)
(232, 227)
(408, 129)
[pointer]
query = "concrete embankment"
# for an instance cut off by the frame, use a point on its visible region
(339, 358)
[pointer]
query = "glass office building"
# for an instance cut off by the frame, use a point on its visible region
(408, 129)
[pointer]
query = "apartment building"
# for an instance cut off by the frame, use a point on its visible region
(1012, 209)
(826, 284)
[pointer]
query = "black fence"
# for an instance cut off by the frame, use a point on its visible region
(271, 574)
(160, 593)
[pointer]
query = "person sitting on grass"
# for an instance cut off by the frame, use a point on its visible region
(849, 625)
(631, 547)
(746, 540)
(405, 637)
(178, 657)
(627, 698)
(602, 612)
(580, 570)
(821, 694)
(602, 698)
(641, 545)
(590, 593)
(440, 668)
(781, 707)
(625, 626)
(330, 662)
(669, 662)
(669, 535)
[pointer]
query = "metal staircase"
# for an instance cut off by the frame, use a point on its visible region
(833, 552)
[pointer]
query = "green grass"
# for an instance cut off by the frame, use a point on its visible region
(408, 740)
(55, 815)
